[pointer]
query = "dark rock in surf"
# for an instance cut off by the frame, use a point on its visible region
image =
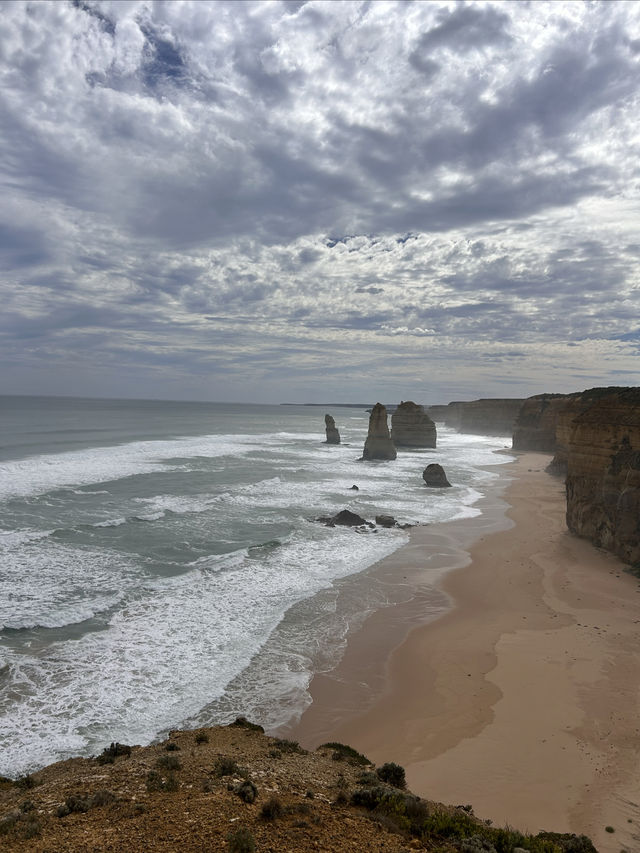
(345, 518)
(333, 436)
(386, 521)
(434, 476)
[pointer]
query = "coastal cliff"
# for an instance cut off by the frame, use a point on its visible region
(411, 426)
(490, 416)
(535, 426)
(603, 471)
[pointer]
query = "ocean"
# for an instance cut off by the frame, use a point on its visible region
(161, 566)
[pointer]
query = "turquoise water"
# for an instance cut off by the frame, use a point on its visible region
(160, 562)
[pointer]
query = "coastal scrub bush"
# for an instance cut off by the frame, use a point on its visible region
(156, 782)
(169, 762)
(242, 722)
(272, 809)
(225, 767)
(291, 746)
(172, 746)
(240, 841)
(20, 825)
(343, 752)
(392, 774)
(568, 842)
(102, 798)
(110, 753)
(247, 791)
(25, 783)
(202, 737)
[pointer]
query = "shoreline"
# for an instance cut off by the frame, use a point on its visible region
(522, 698)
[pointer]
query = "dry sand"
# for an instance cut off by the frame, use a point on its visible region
(523, 698)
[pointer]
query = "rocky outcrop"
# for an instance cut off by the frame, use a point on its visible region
(333, 436)
(603, 471)
(537, 421)
(378, 444)
(345, 518)
(434, 476)
(491, 416)
(411, 426)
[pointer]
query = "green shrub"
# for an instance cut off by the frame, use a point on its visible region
(202, 737)
(155, 782)
(25, 783)
(392, 774)
(247, 791)
(102, 798)
(169, 762)
(291, 746)
(225, 767)
(240, 841)
(110, 753)
(242, 722)
(172, 746)
(272, 809)
(342, 752)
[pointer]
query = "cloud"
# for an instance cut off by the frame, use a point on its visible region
(227, 184)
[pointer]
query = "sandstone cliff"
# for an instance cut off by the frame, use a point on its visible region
(491, 416)
(333, 436)
(537, 420)
(603, 471)
(378, 444)
(411, 426)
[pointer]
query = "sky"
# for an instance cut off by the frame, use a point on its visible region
(319, 201)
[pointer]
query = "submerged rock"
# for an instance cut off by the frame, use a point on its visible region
(386, 521)
(378, 444)
(411, 426)
(333, 436)
(434, 475)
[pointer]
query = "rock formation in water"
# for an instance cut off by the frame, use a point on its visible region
(603, 471)
(333, 436)
(434, 476)
(378, 444)
(491, 416)
(411, 426)
(345, 518)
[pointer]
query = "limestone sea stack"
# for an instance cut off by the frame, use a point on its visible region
(333, 436)
(378, 444)
(434, 476)
(411, 426)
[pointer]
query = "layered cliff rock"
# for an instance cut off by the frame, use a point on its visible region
(603, 471)
(491, 416)
(333, 436)
(411, 426)
(537, 420)
(378, 444)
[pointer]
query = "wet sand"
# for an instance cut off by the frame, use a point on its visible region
(523, 697)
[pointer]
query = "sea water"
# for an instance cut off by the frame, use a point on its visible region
(161, 564)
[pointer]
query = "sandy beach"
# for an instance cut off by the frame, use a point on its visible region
(522, 699)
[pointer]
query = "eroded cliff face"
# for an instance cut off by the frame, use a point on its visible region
(411, 426)
(537, 420)
(491, 416)
(378, 444)
(603, 472)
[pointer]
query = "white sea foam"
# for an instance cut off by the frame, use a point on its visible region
(173, 644)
